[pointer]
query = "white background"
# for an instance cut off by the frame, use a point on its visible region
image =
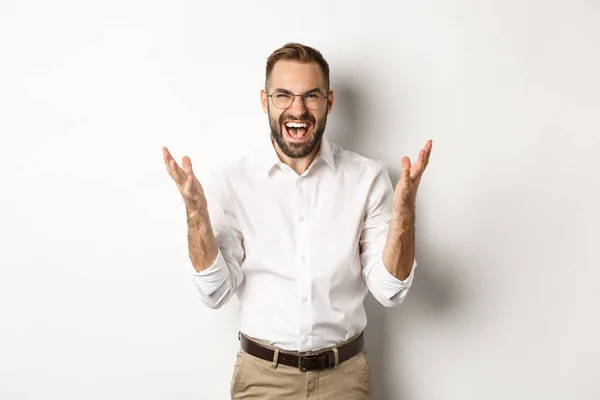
(96, 300)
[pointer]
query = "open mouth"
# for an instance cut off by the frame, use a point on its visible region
(297, 130)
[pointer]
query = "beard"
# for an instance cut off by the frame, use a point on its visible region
(297, 150)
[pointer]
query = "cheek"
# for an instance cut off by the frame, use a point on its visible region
(275, 118)
(320, 117)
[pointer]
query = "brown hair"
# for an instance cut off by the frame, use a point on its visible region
(299, 53)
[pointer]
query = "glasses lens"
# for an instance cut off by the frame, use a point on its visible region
(284, 99)
(314, 100)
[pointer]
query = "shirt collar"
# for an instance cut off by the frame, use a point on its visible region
(268, 157)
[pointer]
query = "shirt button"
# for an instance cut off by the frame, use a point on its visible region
(302, 258)
(304, 299)
(305, 340)
(301, 219)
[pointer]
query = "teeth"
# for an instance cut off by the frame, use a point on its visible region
(296, 125)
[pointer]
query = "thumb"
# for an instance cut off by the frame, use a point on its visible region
(189, 183)
(187, 165)
(405, 169)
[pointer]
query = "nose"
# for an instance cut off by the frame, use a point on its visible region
(297, 107)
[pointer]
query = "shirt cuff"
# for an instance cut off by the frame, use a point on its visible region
(389, 284)
(213, 277)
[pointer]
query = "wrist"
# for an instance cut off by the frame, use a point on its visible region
(195, 212)
(197, 218)
(404, 204)
(404, 212)
(403, 221)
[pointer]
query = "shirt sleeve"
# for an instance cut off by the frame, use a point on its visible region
(385, 287)
(217, 284)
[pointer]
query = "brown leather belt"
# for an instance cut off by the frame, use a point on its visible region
(309, 362)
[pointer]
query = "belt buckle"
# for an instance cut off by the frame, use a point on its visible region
(301, 366)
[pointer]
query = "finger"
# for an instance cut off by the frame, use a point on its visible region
(166, 157)
(428, 147)
(419, 166)
(405, 169)
(187, 165)
(417, 181)
(423, 160)
(168, 160)
(176, 173)
(427, 154)
(166, 154)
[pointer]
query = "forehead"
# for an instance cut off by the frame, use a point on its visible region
(295, 76)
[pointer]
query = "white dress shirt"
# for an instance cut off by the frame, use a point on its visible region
(301, 251)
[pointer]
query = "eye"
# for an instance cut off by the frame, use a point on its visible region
(282, 95)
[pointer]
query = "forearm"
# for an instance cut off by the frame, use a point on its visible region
(216, 253)
(202, 245)
(399, 251)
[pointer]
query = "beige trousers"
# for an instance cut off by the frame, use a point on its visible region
(254, 378)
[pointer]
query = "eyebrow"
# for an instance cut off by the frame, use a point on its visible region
(316, 89)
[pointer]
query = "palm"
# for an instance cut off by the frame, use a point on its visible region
(406, 188)
(187, 183)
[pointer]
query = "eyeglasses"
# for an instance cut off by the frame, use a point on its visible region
(312, 100)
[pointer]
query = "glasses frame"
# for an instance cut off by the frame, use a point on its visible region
(302, 97)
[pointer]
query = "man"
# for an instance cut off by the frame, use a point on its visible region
(300, 229)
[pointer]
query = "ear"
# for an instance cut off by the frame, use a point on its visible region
(263, 100)
(330, 99)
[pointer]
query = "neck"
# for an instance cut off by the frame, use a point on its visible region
(299, 165)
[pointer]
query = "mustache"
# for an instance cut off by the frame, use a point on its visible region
(304, 117)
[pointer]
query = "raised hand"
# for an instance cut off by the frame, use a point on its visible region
(406, 189)
(187, 183)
